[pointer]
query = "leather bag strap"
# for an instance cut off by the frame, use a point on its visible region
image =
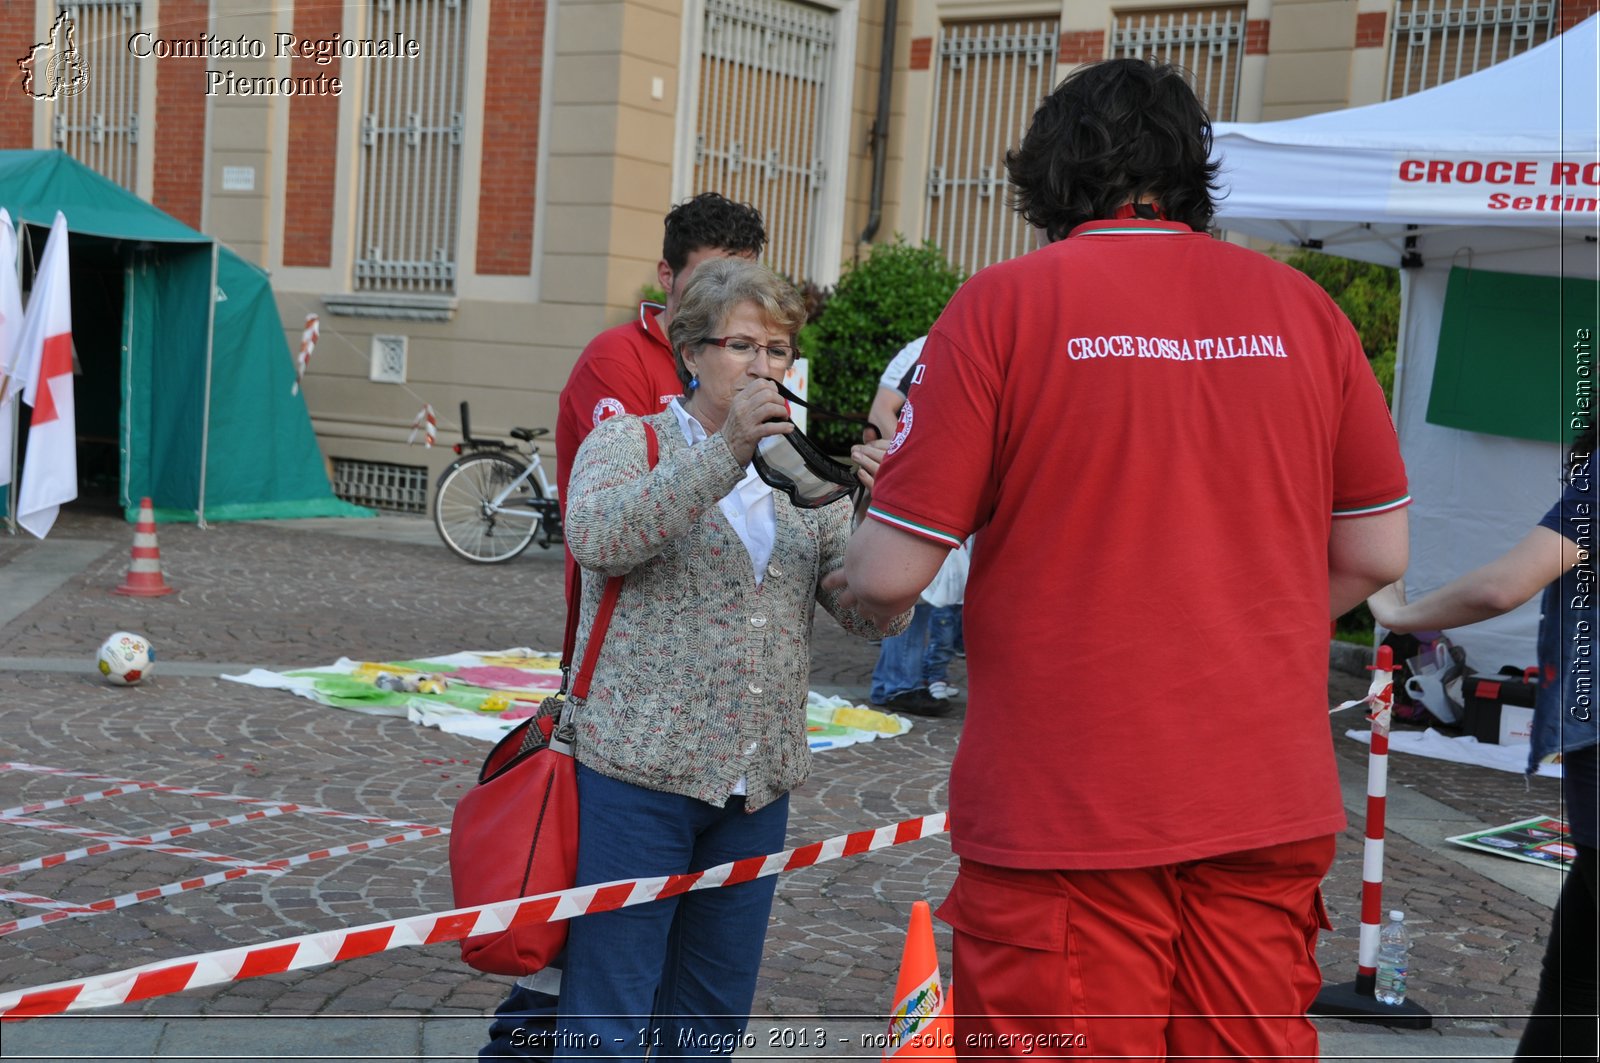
(608, 603)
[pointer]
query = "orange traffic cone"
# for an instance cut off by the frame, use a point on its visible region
(144, 579)
(920, 1026)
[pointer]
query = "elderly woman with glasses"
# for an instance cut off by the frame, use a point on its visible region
(694, 729)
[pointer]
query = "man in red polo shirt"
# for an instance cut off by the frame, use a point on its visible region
(629, 368)
(625, 369)
(1178, 465)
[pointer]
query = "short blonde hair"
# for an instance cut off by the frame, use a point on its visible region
(719, 285)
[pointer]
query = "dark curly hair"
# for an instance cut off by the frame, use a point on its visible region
(711, 220)
(1109, 134)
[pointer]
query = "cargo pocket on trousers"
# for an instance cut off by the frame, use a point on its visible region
(996, 909)
(1012, 954)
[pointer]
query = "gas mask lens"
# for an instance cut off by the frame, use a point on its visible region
(795, 465)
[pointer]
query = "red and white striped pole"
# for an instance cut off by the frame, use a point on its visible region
(1358, 1000)
(1381, 697)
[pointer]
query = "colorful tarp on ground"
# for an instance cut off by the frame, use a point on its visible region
(482, 694)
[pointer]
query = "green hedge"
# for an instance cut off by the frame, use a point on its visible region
(880, 304)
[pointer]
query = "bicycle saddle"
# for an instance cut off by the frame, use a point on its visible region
(528, 435)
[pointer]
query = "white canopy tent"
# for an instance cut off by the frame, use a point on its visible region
(1494, 171)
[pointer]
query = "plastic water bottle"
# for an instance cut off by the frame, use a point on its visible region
(1394, 945)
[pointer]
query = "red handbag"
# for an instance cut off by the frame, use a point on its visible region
(515, 834)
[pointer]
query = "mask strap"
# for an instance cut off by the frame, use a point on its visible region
(818, 410)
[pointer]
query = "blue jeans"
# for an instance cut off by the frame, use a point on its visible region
(944, 631)
(524, 1024)
(919, 655)
(680, 973)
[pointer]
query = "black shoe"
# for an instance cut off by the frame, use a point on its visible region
(917, 702)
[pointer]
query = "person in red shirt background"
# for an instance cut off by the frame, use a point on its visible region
(629, 368)
(1177, 463)
(625, 369)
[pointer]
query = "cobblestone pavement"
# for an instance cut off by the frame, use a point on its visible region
(304, 593)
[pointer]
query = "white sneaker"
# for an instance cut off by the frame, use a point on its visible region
(943, 691)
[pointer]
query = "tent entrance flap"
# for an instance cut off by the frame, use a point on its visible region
(165, 397)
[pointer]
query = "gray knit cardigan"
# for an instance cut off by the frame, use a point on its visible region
(703, 674)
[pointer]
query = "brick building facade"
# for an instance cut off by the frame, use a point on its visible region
(464, 217)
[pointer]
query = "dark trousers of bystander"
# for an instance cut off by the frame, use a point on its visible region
(1564, 1012)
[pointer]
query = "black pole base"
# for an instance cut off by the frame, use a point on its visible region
(1345, 1002)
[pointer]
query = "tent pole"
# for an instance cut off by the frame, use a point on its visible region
(205, 416)
(129, 280)
(16, 422)
(1400, 349)
(11, 484)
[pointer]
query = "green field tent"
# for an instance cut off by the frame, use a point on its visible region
(182, 354)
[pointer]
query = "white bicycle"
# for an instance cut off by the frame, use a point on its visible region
(495, 499)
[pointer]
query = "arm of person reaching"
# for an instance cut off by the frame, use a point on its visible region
(885, 571)
(1364, 553)
(1487, 591)
(833, 590)
(885, 411)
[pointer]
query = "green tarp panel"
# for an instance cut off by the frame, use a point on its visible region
(210, 427)
(1513, 360)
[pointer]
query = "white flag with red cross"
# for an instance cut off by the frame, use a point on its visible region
(44, 365)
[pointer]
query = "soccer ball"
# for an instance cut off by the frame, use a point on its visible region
(125, 658)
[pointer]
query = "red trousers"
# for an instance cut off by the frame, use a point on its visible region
(1209, 959)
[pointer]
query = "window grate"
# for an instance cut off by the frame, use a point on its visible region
(1435, 41)
(411, 131)
(761, 117)
(99, 126)
(989, 79)
(381, 485)
(1206, 41)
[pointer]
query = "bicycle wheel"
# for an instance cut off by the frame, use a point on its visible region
(468, 520)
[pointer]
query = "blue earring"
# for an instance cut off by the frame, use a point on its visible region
(694, 382)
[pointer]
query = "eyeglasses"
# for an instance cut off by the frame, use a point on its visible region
(748, 348)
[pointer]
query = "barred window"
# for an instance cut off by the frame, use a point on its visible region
(1206, 41)
(99, 125)
(761, 117)
(1436, 41)
(408, 209)
(988, 81)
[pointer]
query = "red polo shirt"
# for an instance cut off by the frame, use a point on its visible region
(1151, 432)
(626, 369)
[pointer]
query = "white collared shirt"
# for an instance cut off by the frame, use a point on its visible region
(749, 506)
(752, 513)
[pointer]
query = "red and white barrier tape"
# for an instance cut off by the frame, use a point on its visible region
(149, 842)
(131, 786)
(308, 343)
(311, 950)
(426, 423)
(65, 911)
(108, 842)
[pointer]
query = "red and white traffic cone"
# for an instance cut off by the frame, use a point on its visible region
(144, 579)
